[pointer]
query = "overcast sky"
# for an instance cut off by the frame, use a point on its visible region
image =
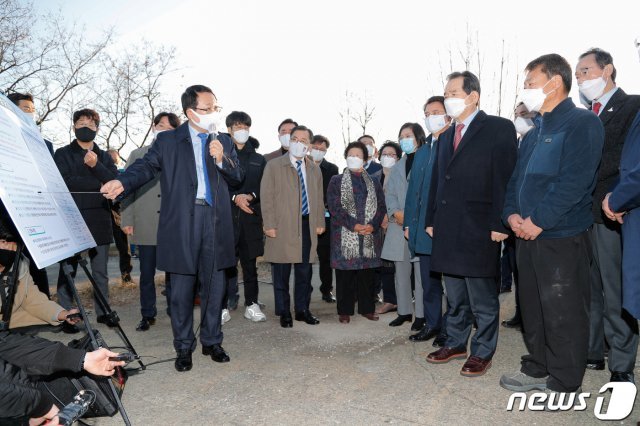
(277, 59)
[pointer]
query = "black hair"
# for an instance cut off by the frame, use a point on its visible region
(238, 117)
(173, 119)
(303, 128)
(470, 82)
(189, 98)
(88, 113)
(16, 97)
(8, 231)
(287, 121)
(417, 130)
(392, 144)
(320, 139)
(552, 65)
(359, 145)
(434, 99)
(603, 58)
(367, 136)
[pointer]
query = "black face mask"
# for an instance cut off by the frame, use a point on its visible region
(85, 134)
(7, 257)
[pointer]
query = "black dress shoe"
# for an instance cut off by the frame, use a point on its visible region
(595, 364)
(183, 361)
(286, 321)
(514, 322)
(218, 354)
(425, 334)
(622, 376)
(307, 317)
(70, 328)
(401, 319)
(329, 297)
(145, 323)
(440, 340)
(418, 324)
(106, 320)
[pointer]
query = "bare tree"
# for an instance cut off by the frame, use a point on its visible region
(130, 93)
(358, 111)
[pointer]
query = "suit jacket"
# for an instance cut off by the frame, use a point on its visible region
(95, 209)
(172, 156)
(626, 197)
(281, 206)
(467, 195)
(275, 154)
(396, 247)
(142, 208)
(616, 116)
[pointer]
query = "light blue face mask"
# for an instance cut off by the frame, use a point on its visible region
(407, 145)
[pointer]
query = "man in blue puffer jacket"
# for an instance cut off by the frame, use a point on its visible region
(548, 207)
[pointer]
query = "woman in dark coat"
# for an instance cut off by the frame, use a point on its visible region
(357, 207)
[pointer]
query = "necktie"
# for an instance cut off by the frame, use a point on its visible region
(305, 201)
(207, 191)
(596, 108)
(458, 136)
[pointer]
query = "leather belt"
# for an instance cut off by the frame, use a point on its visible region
(201, 202)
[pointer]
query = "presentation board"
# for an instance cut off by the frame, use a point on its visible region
(34, 192)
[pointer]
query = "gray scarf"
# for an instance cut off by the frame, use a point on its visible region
(350, 241)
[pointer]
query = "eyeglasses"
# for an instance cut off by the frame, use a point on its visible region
(210, 110)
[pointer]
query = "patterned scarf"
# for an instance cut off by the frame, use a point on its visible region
(350, 241)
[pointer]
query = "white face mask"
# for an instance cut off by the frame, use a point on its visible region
(455, 106)
(157, 132)
(387, 161)
(241, 136)
(297, 149)
(592, 89)
(354, 163)
(435, 123)
(534, 98)
(31, 115)
(284, 140)
(317, 155)
(523, 125)
(370, 150)
(208, 122)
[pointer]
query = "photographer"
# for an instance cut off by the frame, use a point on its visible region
(25, 359)
(31, 307)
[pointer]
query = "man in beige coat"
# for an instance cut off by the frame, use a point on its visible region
(293, 216)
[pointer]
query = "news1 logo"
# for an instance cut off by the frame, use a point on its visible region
(623, 395)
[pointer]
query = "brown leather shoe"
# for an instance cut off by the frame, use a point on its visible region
(387, 307)
(371, 316)
(444, 355)
(475, 366)
(344, 319)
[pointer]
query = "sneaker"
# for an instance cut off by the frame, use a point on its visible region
(126, 278)
(253, 313)
(520, 382)
(226, 316)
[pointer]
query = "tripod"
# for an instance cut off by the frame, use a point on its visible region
(111, 314)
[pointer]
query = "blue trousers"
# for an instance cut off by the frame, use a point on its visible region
(280, 273)
(471, 298)
(431, 293)
(212, 289)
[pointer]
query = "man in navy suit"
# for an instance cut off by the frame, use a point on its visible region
(195, 232)
(475, 159)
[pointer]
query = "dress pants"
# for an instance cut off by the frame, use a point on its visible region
(607, 318)
(387, 277)
(147, 258)
(472, 298)
(431, 293)
(212, 289)
(554, 287)
(403, 288)
(280, 273)
(324, 259)
(351, 284)
(98, 256)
